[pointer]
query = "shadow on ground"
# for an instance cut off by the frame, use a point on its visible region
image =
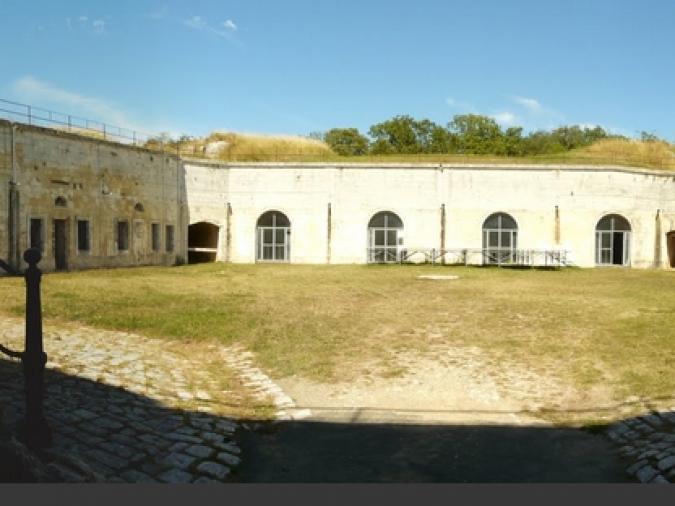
(103, 433)
(335, 452)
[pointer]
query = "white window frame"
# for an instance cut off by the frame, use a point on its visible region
(261, 244)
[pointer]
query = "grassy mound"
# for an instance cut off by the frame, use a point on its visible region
(230, 146)
(657, 154)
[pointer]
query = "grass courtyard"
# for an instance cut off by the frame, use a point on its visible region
(608, 327)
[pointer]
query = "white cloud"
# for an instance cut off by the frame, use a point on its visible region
(83, 19)
(32, 90)
(199, 23)
(69, 23)
(99, 26)
(158, 14)
(39, 93)
(506, 118)
(530, 104)
(196, 22)
(458, 104)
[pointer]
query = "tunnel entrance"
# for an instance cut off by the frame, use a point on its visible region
(671, 248)
(202, 242)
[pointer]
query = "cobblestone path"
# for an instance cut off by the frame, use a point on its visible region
(126, 408)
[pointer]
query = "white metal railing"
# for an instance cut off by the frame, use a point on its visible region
(472, 256)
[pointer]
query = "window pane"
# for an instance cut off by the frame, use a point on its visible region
(268, 235)
(279, 253)
(169, 238)
(506, 239)
(82, 235)
(391, 237)
(36, 234)
(605, 256)
(606, 240)
(493, 239)
(155, 236)
(122, 235)
(379, 238)
(280, 235)
(267, 253)
(390, 255)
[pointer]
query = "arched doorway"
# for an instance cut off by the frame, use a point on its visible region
(202, 242)
(612, 240)
(273, 237)
(385, 238)
(500, 239)
(670, 237)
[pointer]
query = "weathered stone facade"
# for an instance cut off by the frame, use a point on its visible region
(57, 176)
(441, 206)
(63, 179)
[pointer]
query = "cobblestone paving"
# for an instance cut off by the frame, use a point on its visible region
(649, 441)
(125, 408)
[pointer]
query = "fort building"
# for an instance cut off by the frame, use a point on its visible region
(90, 203)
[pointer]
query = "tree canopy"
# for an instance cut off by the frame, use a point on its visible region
(464, 134)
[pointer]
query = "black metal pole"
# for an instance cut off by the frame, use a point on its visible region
(34, 430)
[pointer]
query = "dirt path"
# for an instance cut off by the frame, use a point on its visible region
(453, 417)
(445, 385)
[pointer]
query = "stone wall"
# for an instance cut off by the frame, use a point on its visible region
(100, 182)
(5, 178)
(530, 194)
(329, 205)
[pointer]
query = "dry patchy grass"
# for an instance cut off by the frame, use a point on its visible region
(609, 326)
(230, 146)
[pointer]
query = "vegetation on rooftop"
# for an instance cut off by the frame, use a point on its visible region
(468, 138)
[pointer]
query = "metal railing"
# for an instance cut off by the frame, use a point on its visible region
(503, 257)
(38, 116)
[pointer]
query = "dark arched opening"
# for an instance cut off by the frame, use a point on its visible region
(202, 242)
(670, 236)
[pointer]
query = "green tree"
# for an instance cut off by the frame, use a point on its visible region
(396, 135)
(512, 142)
(648, 137)
(406, 135)
(476, 134)
(541, 143)
(346, 141)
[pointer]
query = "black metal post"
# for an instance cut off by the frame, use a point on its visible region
(34, 429)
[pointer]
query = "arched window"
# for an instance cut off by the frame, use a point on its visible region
(500, 239)
(273, 234)
(60, 202)
(612, 240)
(385, 238)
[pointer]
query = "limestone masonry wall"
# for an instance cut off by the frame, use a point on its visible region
(63, 179)
(99, 182)
(582, 195)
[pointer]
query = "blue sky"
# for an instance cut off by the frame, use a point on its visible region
(301, 66)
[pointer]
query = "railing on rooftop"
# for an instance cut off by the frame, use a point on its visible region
(38, 116)
(24, 113)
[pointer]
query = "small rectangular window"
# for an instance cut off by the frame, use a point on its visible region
(155, 237)
(169, 238)
(122, 235)
(83, 239)
(36, 234)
